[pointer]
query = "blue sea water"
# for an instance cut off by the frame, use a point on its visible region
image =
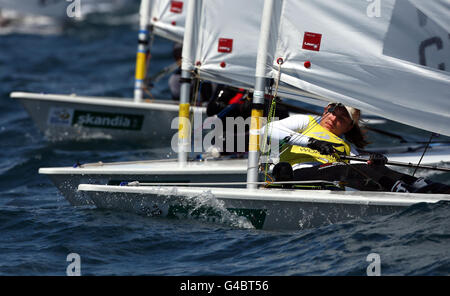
(39, 228)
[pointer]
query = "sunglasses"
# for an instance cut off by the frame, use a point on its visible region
(339, 110)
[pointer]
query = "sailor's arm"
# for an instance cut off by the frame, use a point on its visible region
(288, 130)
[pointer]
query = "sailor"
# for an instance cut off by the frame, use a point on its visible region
(232, 103)
(174, 79)
(311, 148)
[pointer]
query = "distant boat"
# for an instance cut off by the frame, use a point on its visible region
(49, 17)
(61, 117)
(62, 9)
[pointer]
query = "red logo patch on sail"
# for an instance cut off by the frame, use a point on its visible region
(311, 41)
(176, 6)
(225, 45)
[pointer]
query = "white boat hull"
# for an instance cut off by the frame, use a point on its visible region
(70, 117)
(260, 208)
(67, 179)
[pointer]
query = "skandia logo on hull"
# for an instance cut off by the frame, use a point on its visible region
(108, 120)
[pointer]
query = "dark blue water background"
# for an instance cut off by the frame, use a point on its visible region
(38, 227)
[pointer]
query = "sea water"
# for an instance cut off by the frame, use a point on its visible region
(40, 230)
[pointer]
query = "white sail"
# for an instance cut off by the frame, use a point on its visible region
(227, 34)
(437, 10)
(168, 18)
(227, 41)
(385, 57)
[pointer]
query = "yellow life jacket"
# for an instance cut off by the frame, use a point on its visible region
(297, 154)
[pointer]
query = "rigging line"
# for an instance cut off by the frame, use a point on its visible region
(137, 183)
(270, 117)
(148, 93)
(273, 105)
(165, 71)
(196, 87)
(368, 178)
(396, 163)
(424, 151)
(148, 58)
(194, 96)
(271, 180)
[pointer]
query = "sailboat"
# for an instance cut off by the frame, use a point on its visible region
(211, 64)
(53, 9)
(48, 17)
(207, 169)
(73, 117)
(354, 59)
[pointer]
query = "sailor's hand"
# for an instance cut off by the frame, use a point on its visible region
(377, 159)
(323, 147)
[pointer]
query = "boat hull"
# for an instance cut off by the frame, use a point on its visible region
(67, 179)
(269, 209)
(66, 117)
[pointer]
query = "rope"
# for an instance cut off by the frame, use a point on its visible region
(147, 66)
(270, 116)
(196, 88)
(425, 150)
(137, 183)
(368, 178)
(195, 96)
(147, 92)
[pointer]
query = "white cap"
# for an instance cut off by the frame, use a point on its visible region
(352, 112)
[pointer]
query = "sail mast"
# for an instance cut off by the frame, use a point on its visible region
(258, 95)
(143, 47)
(184, 130)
